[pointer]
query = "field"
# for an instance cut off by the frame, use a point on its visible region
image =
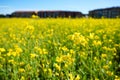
(59, 49)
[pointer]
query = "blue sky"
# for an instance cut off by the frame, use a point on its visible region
(9, 6)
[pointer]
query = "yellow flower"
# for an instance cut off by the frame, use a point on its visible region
(50, 72)
(58, 59)
(117, 78)
(77, 78)
(19, 50)
(96, 60)
(106, 67)
(22, 78)
(21, 70)
(80, 39)
(12, 54)
(72, 51)
(71, 76)
(33, 55)
(104, 55)
(91, 35)
(2, 50)
(57, 74)
(110, 62)
(97, 43)
(21, 63)
(76, 34)
(45, 70)
(41, 51)
(109, 73)
(44, 51)
(66, 66)
(57, 67)
(29, 28)
(64, 48)
(71, 37)
(106, 48)
(12, 61)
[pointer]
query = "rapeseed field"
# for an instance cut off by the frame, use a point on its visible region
(59, 49)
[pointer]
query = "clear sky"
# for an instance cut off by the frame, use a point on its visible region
(9, 6)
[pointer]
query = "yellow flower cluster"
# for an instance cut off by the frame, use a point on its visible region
(16, 52)
(2, 50)
(59, 49)
(41, 51)
(78, 39)
(65, 58)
